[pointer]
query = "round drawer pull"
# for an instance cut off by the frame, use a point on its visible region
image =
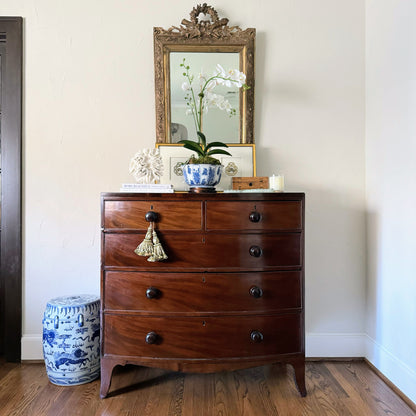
(255, 216)
(256, 251)
(152, 337)
(256, 292)
(151, 216)
(152, 293)
(256, 336)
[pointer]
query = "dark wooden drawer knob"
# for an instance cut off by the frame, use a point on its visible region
(255, 251)
(152, 293)
(256, 292)
(151, 216)
(255, 216)
(152, 338)
(256, 336)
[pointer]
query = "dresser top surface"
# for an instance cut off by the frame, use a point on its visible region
(220, 196)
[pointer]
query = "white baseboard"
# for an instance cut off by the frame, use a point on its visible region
(317, 345)
(332, 345)
(32, 348)
(400, 374)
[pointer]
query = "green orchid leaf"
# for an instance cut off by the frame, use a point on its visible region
(188, 144)
(215, 144)
(202, 138)
(218, 152)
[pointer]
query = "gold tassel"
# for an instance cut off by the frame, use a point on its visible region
(158, 252)
(145, 248)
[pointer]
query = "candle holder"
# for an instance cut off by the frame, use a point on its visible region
(277, 183)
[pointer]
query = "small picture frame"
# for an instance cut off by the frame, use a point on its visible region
(242, 162)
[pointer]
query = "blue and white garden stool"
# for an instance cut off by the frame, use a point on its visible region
(71, 339)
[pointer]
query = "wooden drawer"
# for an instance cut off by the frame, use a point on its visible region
(208, 251)
(272, 215)
(171, 215)
(201, 337)
(200, 293)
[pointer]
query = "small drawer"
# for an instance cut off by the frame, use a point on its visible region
(171, 215)
(202, 292)
(211, 251)
(254, 215)
(201, 337)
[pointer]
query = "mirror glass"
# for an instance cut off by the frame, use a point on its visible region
(217, 124)
(203, 43)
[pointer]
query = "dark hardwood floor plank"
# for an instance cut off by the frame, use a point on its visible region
(327, 392)
(198, 395)
(176, 402)
(379, 397)
(45, 400)
(134, 385)
(5, 367)
(334, 389)
(285, 395)
(60, 404)
(258, 393)
(81, 401)
(357, 401)
(25, 384)
(148, 391)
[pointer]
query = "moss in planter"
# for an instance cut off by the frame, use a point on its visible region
(207, 160)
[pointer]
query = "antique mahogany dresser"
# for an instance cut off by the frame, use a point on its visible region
(230, 295)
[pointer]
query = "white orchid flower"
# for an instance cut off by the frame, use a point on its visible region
(219, 71)
(233, 74)
(229, 83)
(211, 85)
(199, 101)
(202, 79)
(214, 99)
(227, 106)
(186, 86)
(242, 77)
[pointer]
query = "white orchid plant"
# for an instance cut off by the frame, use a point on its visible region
(199, 102)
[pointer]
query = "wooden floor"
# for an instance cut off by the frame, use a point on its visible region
(334, 388)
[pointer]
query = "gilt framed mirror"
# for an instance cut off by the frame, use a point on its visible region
(203, 41)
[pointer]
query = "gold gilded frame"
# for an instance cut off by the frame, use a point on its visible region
(196, 35)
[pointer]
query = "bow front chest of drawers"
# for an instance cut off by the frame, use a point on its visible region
(230, 295)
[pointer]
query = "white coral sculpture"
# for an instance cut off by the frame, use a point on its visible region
(146, 166)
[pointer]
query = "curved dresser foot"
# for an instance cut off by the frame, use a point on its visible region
(298, 365)
(107, 366)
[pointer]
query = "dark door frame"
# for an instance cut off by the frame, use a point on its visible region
(11, 35)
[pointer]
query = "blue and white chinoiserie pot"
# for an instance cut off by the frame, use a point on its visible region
(71, 339)
(202, 176)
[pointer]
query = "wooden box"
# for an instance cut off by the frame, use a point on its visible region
(251, 182)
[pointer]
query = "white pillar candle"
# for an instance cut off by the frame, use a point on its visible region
(277, 183)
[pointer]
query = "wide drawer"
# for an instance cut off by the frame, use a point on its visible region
(202, 337)
(254, 215)
(171, 215)
(202, 292)
(224, 251)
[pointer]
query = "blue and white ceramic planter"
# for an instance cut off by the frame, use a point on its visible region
(71, 339)
(202, 176)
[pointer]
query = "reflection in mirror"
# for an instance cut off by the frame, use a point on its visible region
(204, 43)
(218, 125)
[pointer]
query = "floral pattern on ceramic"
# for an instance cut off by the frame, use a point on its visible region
(71, 339)
(202, 176)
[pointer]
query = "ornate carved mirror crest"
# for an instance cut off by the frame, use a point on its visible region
(204, 40)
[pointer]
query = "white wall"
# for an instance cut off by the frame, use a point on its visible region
(391, 197)
(89, 105)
